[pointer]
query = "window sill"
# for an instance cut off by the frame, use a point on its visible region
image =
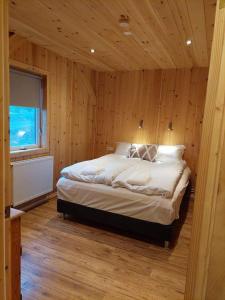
(28, 152)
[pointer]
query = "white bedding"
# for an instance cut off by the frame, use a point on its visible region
(152, 208)
(151, 178)
(101, 170)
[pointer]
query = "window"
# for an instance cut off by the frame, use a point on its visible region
(27, 116)
(24, 126)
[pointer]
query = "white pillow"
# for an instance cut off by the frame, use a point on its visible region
(122, 148)
(168, 153)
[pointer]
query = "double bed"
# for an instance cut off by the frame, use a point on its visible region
(99, 191)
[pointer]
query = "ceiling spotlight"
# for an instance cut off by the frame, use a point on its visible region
(92, 50)
(188, 42)
(127, 33)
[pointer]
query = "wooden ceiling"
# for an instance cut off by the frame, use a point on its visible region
(159, 29)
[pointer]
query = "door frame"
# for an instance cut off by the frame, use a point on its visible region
(5, 290)
(206, 271)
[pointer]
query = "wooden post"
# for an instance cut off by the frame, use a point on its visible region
(206, 269)
(4, 155)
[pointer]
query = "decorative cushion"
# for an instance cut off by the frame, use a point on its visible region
(146, 152)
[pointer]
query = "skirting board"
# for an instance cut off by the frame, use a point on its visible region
(36, 202)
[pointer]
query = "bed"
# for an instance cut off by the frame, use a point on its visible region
(99, 200)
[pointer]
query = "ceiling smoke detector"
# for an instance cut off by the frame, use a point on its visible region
(124, 21)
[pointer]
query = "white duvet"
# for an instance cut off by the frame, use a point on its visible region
(151, 178)
(101, 170)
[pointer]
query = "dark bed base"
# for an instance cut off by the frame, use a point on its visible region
(163, 234)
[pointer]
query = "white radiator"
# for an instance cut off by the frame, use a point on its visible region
(32, 178)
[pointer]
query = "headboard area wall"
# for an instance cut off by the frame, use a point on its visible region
(163, 99)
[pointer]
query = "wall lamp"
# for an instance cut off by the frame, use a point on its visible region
(141, 124)
(170, 126)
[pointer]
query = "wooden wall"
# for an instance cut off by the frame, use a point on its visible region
(157, 97)
(71, 99)
(90, 111)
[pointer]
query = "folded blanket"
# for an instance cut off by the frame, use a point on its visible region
(139, 178)
(101, 170)
(151, 178)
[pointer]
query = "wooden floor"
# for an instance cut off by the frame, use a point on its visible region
(64, 260)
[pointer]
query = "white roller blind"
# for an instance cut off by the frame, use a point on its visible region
(25, 89)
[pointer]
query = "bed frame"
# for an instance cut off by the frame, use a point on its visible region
(165, 235)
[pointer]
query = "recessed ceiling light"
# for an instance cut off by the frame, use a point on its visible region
(127, 33)
(92, 50)
(188, 42)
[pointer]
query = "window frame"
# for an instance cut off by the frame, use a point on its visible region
(42, 146)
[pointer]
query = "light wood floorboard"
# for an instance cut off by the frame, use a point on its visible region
(65, 260)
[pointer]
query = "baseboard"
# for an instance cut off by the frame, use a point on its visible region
(36, 202)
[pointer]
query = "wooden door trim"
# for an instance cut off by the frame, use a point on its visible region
(5, 190)
(208, 189)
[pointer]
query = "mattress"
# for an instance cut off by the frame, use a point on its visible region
(121, 201)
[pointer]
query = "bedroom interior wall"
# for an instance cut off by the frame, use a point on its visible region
(90, 111)
(72, 103)
(157, 97)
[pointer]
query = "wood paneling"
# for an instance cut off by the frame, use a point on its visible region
(157, 97)
(206, 271)
(63, 259)
(71, 102)
(160, 30)
(5, 199)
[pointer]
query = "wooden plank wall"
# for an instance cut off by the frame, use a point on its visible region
(80, 130)
(72, 102)
(157, 97)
